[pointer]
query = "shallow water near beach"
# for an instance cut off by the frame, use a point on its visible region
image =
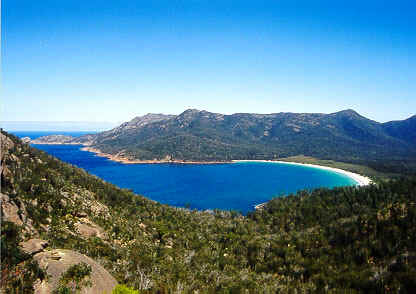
(237, 186)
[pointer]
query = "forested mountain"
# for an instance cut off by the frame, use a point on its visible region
(404, 129)
(57, 220)
(204, 136)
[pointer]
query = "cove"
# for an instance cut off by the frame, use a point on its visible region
(237, 186)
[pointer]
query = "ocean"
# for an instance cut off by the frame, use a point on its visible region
(238, 186)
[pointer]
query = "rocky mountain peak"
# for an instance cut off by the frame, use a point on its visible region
(347, 112)
(148, 118)
(188, 115)
(190, 111)
(140, 121)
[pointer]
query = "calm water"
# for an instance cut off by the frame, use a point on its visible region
(237, 186)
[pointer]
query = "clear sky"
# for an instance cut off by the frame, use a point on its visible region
(111, 60)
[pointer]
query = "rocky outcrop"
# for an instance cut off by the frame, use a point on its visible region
(57, 261)
(26, 140)
(87, 229)
(5, 143)
(15, 213)
(10, 211)
(33, 246)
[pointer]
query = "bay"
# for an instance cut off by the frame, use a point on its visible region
(237, 186)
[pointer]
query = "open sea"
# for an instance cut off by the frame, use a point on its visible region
(237, 186)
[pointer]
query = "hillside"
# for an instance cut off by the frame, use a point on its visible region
(203, 136)
(404, 130)
(350, 240)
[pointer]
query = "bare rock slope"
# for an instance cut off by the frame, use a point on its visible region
(57, 261)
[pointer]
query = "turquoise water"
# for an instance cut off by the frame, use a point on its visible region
(237, 186)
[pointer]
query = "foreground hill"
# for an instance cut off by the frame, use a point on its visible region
(203, 136)
(345, 240)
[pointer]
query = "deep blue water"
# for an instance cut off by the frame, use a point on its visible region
(237, 186)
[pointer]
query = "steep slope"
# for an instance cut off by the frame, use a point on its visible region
(41, 213)
(345, 240)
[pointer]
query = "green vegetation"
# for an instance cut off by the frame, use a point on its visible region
(122, 289)
(344, 240)
(203, 136)
(74, 279)
(18, 270)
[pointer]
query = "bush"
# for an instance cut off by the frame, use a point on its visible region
(122, 289)
(74, 279)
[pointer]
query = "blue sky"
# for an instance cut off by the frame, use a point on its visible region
(77, 60)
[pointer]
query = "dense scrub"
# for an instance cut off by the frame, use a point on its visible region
(345, 239)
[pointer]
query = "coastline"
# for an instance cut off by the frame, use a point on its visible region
(359, 179)
(124, 160)
(54, 143)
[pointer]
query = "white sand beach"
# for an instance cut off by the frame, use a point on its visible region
(360, 179)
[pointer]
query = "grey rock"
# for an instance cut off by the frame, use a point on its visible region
(33, 246)
(15, 214)
(26, 140)
(57, 261)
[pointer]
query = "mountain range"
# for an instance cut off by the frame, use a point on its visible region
(196, 135)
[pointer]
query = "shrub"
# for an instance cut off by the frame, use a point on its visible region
(122, 289)
(74, 279)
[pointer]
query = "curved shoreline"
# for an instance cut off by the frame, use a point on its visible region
(359, 179)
